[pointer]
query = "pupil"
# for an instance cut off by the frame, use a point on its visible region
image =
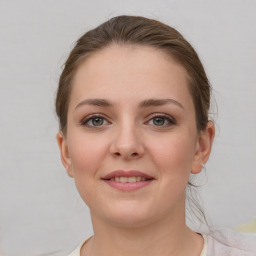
(158, 121)
(97, 121)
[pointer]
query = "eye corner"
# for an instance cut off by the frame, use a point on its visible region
(161, 120)
(94, 121)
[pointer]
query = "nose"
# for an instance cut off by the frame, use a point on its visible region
(127, 144)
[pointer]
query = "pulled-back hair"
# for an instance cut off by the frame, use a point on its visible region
(140, 31)
(134, 30)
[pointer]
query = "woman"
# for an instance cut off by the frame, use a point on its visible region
(133, 102)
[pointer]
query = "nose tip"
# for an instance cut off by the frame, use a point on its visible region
(127, 145)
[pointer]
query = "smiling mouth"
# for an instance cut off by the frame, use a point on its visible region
(127, 180)
(127, 176)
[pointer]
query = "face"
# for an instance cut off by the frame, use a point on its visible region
(131, 140)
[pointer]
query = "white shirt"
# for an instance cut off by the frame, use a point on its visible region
(218, 243)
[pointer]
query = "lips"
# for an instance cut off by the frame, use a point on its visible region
(127, 180)
(128, 174)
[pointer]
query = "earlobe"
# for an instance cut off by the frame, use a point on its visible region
(64, 153)
(203, 150)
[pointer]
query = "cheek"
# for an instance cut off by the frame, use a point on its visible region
(173, 159)
(173, 154)
(85, 154)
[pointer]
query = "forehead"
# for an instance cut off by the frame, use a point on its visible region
(130, 71)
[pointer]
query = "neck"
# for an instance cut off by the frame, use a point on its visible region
(163, 237)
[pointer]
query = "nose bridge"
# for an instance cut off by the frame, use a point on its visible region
(127, 141)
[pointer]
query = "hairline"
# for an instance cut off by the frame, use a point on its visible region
(169, 54)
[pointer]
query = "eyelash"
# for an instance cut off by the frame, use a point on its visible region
(85, 121)
(170, 120)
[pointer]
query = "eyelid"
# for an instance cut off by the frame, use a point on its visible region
(86, 119)
(169, 118)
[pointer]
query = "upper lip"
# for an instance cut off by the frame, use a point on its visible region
(123, 173)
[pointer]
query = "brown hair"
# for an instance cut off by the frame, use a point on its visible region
(134, 30)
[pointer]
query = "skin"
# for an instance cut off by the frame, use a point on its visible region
(151, 220)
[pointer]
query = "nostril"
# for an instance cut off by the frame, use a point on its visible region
(135, 154)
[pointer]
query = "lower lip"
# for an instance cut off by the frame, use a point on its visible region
(128, 186)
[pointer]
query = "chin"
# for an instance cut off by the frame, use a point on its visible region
(126, 215)
(129, 221)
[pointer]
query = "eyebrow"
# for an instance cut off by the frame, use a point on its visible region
(143, 104)
(95, 102)
(159, 102)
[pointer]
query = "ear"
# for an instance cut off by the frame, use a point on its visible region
(203, 147)
(64, 153)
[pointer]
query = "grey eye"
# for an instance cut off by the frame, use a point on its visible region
(96, 121)
(159, 121)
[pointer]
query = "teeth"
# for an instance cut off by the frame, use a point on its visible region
(123, 179)
(132, 179)
(138, 178)
(128, 179)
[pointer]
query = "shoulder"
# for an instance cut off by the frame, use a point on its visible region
(222, 242)
(226, 242)
(76, 252)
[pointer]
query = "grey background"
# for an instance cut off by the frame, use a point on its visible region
(40, 210)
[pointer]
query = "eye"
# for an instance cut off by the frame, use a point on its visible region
(161, 120)
(94, 121)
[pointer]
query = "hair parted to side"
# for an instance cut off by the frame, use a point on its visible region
(141, 31)
(135, 30)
